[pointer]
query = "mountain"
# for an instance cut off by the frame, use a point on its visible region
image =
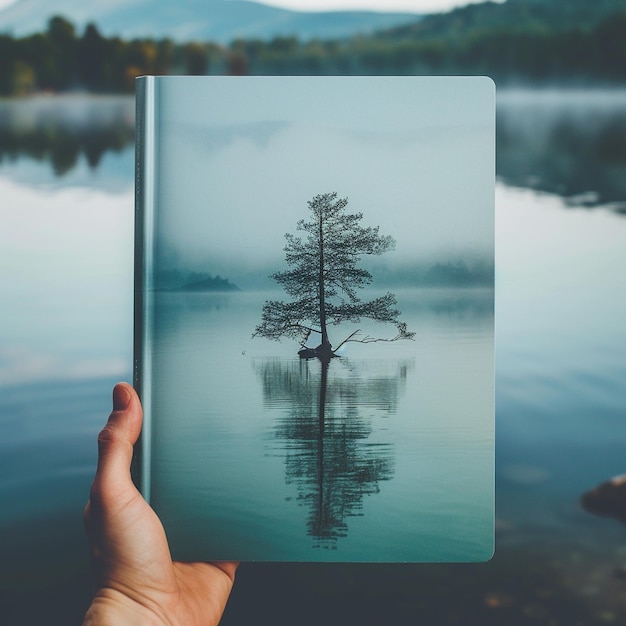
(539, 16)
(185, 20)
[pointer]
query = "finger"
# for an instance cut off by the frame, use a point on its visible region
(228, 567)
(117, 438)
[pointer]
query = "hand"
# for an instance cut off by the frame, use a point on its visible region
(136, 580)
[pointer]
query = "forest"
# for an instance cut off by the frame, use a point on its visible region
(516, 46)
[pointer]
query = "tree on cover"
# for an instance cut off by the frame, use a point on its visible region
(323, 280)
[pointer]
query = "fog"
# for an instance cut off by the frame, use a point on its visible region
(239, 161)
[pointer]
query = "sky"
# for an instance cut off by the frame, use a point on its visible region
(402, 150)
(413, 6)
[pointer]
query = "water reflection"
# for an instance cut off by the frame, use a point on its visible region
(571, 144)
(334, 454)
(565, 142)
(60, 130)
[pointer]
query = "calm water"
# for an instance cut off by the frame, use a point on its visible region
(66, 254)
(402, 436)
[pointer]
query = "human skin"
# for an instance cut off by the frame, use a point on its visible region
(136, 581)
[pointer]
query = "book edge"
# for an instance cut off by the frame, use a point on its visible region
(145, 178)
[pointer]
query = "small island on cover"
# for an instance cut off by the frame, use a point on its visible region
(314, 316)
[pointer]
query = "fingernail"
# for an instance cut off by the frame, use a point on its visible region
(121, 397)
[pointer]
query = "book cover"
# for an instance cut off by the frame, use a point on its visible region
(314, 316)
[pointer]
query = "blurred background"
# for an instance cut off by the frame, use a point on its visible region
(66, 257)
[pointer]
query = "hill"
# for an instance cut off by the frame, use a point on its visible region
(219, 21)
(539, 16)
(538, 42)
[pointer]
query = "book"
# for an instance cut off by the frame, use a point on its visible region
(314, 316)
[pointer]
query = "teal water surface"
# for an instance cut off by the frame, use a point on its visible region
(245, 442)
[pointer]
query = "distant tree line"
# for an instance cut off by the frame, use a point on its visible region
(507, 53)
(60, 60)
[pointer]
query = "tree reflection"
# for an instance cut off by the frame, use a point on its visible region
(576, 150)
(325, 426)
(63, 146)
(62, 132)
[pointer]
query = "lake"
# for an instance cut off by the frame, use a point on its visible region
(66, 252)
(290, 460)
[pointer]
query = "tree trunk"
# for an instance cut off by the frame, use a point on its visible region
(325, 349)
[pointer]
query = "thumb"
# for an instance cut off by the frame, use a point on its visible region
(117, 438)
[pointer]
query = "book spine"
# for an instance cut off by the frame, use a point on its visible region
(145, 204)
